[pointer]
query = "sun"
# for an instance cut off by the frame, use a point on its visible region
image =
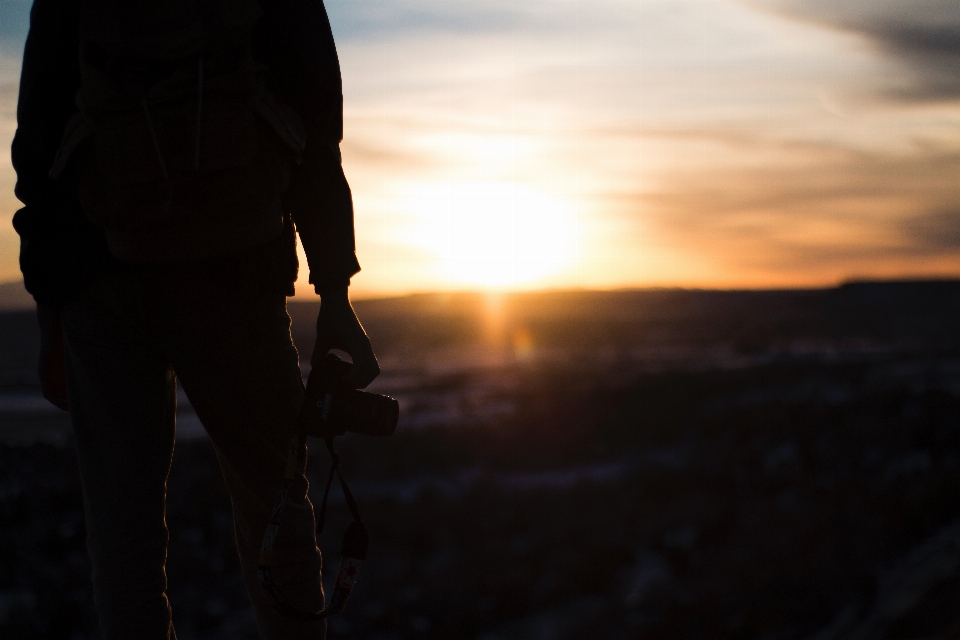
(493, 235)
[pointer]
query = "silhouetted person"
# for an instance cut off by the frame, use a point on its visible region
(166, 151)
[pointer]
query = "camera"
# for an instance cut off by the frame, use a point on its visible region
(331, 408)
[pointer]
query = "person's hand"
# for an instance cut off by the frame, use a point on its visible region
(339, 328)
(53, 368)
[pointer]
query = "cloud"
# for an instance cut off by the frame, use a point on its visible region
(366, 19)
(823, 212)
(922, 34)
(937, 228)
(371, 20)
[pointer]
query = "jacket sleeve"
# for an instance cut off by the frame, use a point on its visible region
(59, 247)
(295, 41)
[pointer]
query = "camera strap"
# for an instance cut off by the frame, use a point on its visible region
(351, 503)
(353, 550)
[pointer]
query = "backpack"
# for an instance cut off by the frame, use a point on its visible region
(183, 151)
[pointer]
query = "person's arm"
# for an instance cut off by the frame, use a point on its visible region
(59, 248)
(295, 41)
(321, 203)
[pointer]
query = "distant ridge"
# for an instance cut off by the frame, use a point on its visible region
(879, 314)
(920, 315)
(13, 297)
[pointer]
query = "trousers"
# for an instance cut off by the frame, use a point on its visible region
(225, 335)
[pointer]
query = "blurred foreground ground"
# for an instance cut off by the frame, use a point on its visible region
(656, 464)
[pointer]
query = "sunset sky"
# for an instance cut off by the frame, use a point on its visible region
(613, 143)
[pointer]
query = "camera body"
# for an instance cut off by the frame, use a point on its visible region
(331, 408)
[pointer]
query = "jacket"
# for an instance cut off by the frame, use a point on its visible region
(61, 250)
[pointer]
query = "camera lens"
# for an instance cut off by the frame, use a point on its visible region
(385, 416)
(361, 412)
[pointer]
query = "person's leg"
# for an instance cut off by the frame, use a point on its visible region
(122, 403)
(230, 345)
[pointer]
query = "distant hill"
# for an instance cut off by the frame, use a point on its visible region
(915, 315)
(918, 313)
(13, 297)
